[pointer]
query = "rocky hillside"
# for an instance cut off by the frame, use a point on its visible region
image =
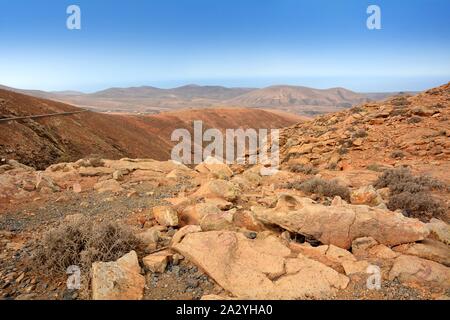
(411, 131)
(362, 196)
(302, 100)
(44, 141)
(211, 233)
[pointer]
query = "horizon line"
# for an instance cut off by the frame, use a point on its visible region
(188, 84)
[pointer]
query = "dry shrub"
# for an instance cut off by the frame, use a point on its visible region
(414, 119)
(411, 194)
(401, 179)
(400, 101)
(321, 187)
(83, 242)
(332, 166)
(397, 154)
(343, 150)
(356, 109)
(361, 133)
(93, 160)
(96, 162)
(303, 168)
(416, 205)
(399, 111)
(376, 167)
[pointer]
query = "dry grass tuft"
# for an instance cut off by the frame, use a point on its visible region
(414, 119)
(321, 187)
(303, 168)
(397, 154)
(361, 133)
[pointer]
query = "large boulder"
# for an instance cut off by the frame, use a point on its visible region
(193, 214)
(215, 169)
(340, 225)
(259, 269)
(439, 230)
(427, 249)
(118, 280)
(416, 271)
(218, 189)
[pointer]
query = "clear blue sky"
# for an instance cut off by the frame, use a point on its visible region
(320, 43)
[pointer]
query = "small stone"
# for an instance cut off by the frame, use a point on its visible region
(76, 187)
(20, 278)
(156, 262)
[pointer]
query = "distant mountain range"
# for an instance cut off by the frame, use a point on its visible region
(41, 142)
(146, 99)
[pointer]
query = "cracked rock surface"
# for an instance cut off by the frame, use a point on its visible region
(260, 268)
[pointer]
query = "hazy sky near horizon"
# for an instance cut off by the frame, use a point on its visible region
(252, 43)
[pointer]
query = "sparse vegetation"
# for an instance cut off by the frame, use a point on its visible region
(400, 101)
(397, 154)
(414, 119)
(361, 133)
(376, 167)
(398, 180)
(411, 194)
(417, 205)
(399, 111)
(96, 162)
(438, 106)
(356, 109)
(83, 242)
(321, 187)
(332, 166)
(343, 150)
(303, 168)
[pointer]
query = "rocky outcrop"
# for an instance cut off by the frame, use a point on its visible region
(340, 225)
(427, 249)
(260, 268)
(439, 230)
